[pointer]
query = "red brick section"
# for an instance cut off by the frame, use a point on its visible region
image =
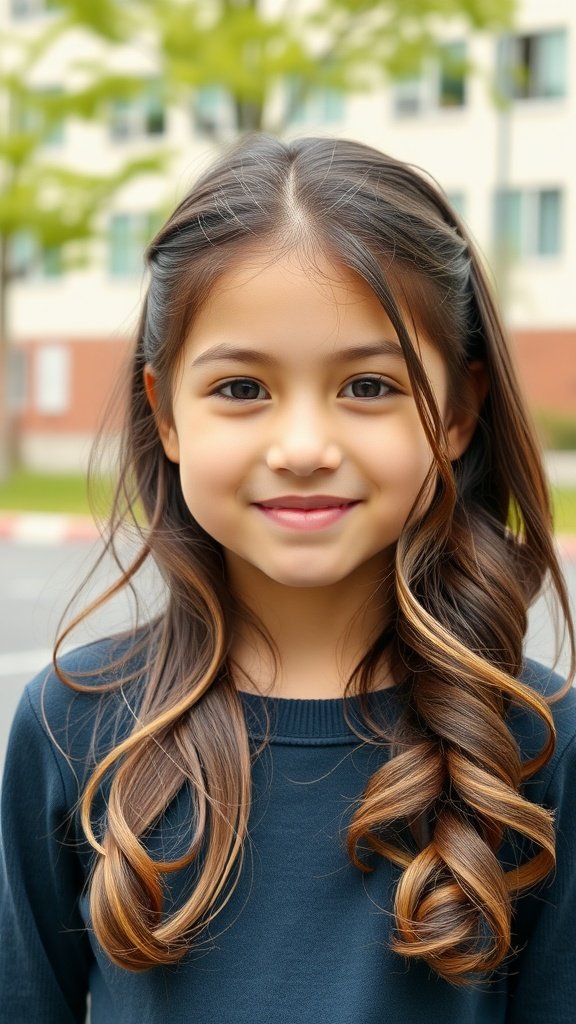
(546, 362)
(97, 366)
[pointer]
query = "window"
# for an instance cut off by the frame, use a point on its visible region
(29, 8)
(51, 261)
(440, 85)
(29, 258)
(533, 66)
(317, 106)
(52, 380)
(129, 235)
(409, 96)
(529, 223)
(37, 114)
(22, 258)
(144, 114)
(548, 238)
(451, 90)
(212, 109)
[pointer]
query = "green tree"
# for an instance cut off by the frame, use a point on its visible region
(267, 59)
(52, 207)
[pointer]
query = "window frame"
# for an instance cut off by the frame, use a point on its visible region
(518, 77)
(420, 94)
(29, 260)
(23, 10)
(530, 221)
(323, 104)
(132, 117)
(141, 225)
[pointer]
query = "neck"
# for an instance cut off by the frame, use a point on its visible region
(319, 634)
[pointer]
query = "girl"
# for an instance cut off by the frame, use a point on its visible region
(321, 784)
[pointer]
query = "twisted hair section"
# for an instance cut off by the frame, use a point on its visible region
(468, 565)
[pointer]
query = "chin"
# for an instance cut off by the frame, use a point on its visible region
(304, 583)
(305, 580)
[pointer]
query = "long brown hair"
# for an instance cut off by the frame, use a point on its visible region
(468, 566)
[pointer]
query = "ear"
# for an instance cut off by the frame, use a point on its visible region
(463, 415)
(166, 429)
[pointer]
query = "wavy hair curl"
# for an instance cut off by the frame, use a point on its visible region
(468, 566)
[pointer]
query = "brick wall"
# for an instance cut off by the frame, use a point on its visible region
(546, 362)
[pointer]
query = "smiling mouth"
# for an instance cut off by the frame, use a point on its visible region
(310, 503)
(304, 515)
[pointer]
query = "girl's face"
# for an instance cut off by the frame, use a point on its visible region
(294, 424)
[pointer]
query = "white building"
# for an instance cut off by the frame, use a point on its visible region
(510, 170)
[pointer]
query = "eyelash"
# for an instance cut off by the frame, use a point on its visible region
(371, 377)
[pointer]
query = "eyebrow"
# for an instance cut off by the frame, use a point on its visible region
(232, 353)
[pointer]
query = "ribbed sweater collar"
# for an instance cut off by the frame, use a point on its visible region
(314, 722)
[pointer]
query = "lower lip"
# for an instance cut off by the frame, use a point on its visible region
(306, 518)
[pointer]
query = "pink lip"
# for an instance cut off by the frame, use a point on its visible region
(304, 515)
(306, 502)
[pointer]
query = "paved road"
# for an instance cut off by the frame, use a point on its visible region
(37, 581)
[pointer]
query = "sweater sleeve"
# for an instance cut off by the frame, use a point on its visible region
(44, 950)
(543, 978)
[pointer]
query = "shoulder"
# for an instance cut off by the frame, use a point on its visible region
(77, 727)
(553, 688)
(561, 699)
(530, 732)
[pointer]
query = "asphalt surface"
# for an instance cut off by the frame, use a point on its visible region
(37, 581)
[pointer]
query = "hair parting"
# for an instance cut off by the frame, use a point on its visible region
(469, 563)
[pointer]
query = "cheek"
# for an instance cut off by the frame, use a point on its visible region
(403, 456)
(211, 472)
(202, 477)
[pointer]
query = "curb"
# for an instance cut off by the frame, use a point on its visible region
(45, 528)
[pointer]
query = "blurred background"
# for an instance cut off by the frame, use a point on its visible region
(109, 110)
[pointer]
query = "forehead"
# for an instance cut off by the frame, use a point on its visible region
(280, 311)
(288, 297)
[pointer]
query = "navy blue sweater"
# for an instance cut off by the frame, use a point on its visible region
(304, 939)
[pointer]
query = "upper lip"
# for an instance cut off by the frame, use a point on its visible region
(306, 501)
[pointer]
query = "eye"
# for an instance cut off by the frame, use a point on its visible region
(241, 389)
(372, 386)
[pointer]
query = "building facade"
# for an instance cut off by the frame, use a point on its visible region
(508, 166)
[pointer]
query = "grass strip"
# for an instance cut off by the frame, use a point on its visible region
(36, 492)
(32, 492)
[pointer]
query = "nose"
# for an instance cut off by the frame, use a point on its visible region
(303, 442)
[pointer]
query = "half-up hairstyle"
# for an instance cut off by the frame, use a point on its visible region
(469, 563)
